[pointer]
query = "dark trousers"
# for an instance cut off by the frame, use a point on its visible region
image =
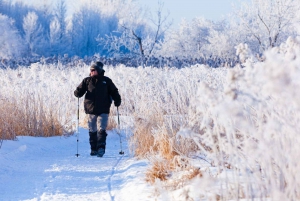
(97, 131)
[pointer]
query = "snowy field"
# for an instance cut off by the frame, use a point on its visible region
(196, 133)
(47, 169)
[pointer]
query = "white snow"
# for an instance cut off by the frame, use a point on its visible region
(38, 168)
(241, 133)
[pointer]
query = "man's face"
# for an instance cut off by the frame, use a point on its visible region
(94, 72)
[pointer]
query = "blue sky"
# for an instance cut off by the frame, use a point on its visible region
(179, 9)
(189, 9)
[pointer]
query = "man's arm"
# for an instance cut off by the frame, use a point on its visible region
(81, 89)
(114, 93)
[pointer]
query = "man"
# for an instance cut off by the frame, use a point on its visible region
(99, 92)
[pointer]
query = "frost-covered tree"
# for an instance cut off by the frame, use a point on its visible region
(138, 34)
(87, 24)
(128, 38)
(11, 44)
(61, 13)
(55, 36)
(19, 10)
(161, 24)
(268, 22)
(58, 33)
(189, 41)
(33, 32)
(222, 41)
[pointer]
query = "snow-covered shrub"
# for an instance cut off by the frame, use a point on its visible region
(243, 52)
(251, 127)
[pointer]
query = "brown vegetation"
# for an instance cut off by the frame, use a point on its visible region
(29, 117)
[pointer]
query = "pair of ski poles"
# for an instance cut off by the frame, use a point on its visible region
(121, 152)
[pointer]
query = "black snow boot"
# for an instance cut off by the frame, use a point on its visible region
(101, 143)
(93, 143)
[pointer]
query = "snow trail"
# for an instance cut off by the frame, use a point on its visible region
(109, 186)
(36, 168)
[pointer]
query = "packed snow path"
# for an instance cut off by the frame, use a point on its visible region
(34, 168)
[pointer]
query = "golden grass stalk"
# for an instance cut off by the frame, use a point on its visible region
(28, 117)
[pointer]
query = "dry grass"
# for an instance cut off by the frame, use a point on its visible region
(155, 137)
(160, 170)
(28, 118)
(142, 142)
(175, 173)
(153, 134)
(183, 177)
(111, 123)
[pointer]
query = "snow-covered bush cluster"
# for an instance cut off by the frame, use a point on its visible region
(250, 129)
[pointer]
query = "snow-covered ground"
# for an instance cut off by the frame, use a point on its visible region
(37, 168)
(239, 138)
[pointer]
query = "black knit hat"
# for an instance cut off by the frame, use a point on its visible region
(98, 66)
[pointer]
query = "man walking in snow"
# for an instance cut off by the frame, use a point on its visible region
(99, 92)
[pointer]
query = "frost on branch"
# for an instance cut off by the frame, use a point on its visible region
(291, 48)
(244, 52)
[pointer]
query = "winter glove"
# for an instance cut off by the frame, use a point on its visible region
(76, 94)
(117, 103)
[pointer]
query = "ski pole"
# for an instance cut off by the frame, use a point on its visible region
(121, 152)
(77, 128)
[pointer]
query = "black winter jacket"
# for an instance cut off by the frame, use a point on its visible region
(99, 92)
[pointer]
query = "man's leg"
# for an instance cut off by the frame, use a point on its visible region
(102, 122)
(92, 124)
